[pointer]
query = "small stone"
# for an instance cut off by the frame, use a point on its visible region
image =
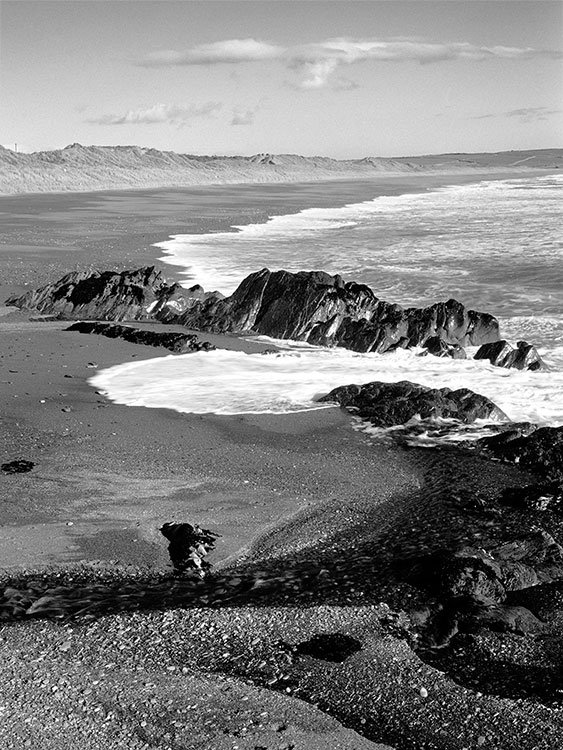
(423, 692)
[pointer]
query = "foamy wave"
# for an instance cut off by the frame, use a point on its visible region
(228, 382)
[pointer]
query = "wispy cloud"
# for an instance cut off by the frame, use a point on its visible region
(175, 114)
(315, 63)
(243, 117)
(228, 51)
(524, 114)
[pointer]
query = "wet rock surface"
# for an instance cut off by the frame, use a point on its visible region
(174, 341)
(389, 404)
(503, 354)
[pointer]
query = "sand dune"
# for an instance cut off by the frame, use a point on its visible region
(85, 168)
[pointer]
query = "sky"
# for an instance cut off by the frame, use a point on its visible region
(333, 78)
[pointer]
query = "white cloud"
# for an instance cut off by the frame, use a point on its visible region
(228, 51)
(316, 62)
(176, 114)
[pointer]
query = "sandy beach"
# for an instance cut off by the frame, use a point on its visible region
(284, 493)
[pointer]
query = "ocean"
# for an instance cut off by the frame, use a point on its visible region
(495, 245)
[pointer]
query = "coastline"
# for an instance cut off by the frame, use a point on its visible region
(45, 235)
(286, 492)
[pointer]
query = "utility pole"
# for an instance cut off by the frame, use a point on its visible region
(16, 148)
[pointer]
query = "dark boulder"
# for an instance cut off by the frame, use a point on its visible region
(389, 404)
(540, 452)
(175, 341)
(502, 354)
(439, 348)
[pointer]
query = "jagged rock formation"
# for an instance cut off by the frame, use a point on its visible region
(307, 306)
(175, 341)
(323, 309)
(389, 404)
(502, 354)
(129, 295)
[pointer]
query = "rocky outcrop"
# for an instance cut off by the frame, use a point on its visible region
(540, 452)
(323, 309)
(307, 306)
(439, 348)
(129, 295)
(389, 404)
(175, 341)
(502, 354)
(142, 294)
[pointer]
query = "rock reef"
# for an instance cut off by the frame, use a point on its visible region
(306, 306)
(175, 341)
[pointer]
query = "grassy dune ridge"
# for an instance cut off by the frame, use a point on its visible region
(84, 168)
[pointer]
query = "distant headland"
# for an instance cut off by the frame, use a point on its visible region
(78, 168)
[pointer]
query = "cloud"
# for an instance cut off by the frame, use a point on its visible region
(316, 62)
(524, 114)
(175, 114)
(245, 117)
(228, 51)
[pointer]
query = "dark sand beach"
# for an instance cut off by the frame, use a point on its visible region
(290, 496)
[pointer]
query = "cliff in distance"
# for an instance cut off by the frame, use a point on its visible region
(84, 168)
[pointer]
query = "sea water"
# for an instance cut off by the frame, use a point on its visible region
(495, 245)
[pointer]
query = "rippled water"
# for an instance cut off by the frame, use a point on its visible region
(497, 246)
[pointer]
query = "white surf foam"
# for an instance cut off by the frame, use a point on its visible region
(227, 382)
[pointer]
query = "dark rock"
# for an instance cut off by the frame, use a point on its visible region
(540, 452)
(506, 619)
(17, 467)
(535, 497)
(175, 341)
(335, 647)
(188, 547)
(322, 309)
(439, 348)
(470, 586)
(130, 295)
(308, 306)
(502, 354)
(389, 404)
(506, 433)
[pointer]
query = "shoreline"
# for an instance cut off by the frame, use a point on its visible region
(45, 235)
(297, 496)
(289, 179)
